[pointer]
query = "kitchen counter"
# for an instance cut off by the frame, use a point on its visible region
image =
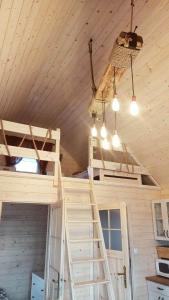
(158, 279)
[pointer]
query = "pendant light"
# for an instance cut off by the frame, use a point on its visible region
(115, 101)
(134, 109)
(116, 142)
(105, 144)
(103, 130)
(94, 129)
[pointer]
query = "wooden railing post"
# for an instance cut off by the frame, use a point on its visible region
(0, 210)
(56, 167)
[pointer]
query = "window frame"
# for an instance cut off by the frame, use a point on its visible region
(110, 229)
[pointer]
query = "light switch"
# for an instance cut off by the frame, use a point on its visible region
(135, 250)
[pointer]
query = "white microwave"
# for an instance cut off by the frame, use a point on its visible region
(162, 267)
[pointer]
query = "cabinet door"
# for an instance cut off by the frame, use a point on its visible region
(159, 220)
(157, 296)
(167, 219)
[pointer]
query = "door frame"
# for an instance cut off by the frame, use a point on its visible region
(125, 240)
(59, 204)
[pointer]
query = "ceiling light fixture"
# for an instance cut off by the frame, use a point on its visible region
(105, 144)
(103, 130)
(115, 101)
(116, 142)
(126, 48)
(134, 109)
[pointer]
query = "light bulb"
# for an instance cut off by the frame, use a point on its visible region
(116, 140)
(103, 131)
(134, 109)
(94, 131)
(105, 144)
(115, 103)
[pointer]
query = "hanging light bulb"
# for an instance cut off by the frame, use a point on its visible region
(103, 131)
(94, 131)
(134, 109)
(105, 144)
(115, 103)
(116, 140)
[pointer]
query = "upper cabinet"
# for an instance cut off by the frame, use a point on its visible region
(161, 220)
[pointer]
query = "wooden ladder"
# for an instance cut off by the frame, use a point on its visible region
(86, 215)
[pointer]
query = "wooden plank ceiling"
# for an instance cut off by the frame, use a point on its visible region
(45, 75)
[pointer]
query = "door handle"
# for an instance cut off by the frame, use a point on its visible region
(167, 234)
(57, 282)
(124, 274)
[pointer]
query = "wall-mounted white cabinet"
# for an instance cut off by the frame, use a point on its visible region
(161, 220)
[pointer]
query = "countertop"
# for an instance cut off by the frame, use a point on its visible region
(158, 279)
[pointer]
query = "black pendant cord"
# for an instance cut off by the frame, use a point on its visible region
(132, 13)
(103, 110)
(115, 121)
(132, 75)
(114, 82)
(90, 44)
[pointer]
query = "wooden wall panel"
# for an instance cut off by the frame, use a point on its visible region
(22, 247)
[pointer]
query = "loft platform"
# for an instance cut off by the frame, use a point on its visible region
(18, 141)
(26, 141)
(117, 165)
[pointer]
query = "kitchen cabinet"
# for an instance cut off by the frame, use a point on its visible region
(161, 220)
(157, 291)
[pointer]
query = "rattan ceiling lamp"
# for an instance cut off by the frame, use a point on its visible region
(125, 49)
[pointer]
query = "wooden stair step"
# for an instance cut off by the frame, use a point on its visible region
(87, 259)
(85, 240)
(90, 282)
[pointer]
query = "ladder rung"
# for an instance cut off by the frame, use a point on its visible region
(82, 205)
(69, 188)
(87, 259)
(91, 282)
(83, 221)
(85, 240)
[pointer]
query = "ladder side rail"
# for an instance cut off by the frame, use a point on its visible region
(101, 243)
(69, 259)
(47, 259)
(66, 235)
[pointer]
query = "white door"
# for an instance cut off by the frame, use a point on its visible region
(55, 253)
(114, 225)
